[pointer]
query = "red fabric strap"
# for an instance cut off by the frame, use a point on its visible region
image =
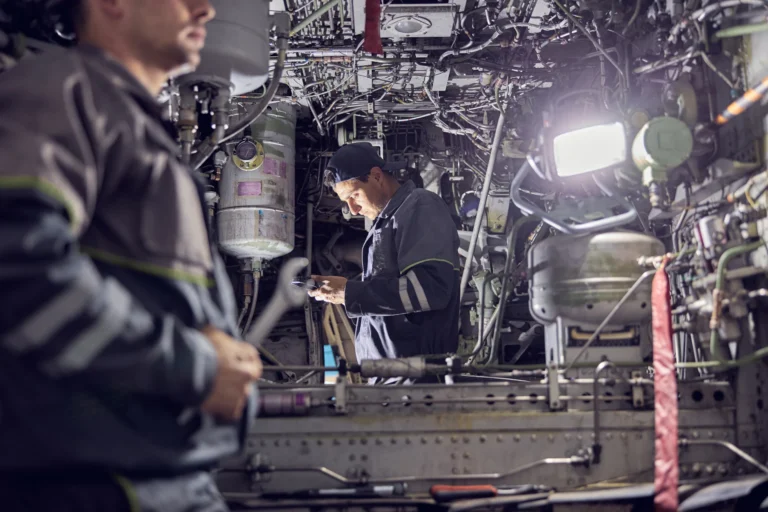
(665, 396)
(372, 37)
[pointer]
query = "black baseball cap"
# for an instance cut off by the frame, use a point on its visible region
(355, 160)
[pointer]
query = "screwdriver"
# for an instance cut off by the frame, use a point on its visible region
(446, 493)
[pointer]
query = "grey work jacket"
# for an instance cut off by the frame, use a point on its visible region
(106, 276)
(407, 303)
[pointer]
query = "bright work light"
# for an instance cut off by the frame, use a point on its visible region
(589, 149)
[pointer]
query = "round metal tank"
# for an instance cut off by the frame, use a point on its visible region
(236, 49)
(256, 211)
(581, 278)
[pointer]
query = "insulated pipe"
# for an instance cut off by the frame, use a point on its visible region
(481, 207)
(738, 107)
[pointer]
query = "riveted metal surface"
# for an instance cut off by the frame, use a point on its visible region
(447, 434)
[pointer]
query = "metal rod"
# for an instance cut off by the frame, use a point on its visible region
(492, 400)
(610, 316)
(509, 266)
(574, 461)
(481, 207)
(306, 377)
(314, 16)
(656, 66)
(730, 446)
(597, 447)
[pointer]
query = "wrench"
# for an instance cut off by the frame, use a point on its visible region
(287, 296)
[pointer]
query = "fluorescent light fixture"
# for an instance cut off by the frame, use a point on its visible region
(589, 149)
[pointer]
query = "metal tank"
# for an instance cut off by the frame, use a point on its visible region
(256, 211)
(576, 281)
(236, 52)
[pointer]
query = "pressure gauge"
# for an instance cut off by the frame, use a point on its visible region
(248, 154)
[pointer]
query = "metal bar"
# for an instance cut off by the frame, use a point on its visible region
(610, 315)
(730, 446)
(481, 207)
(314, 16)
(575, 461)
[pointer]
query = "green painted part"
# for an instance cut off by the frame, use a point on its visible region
(722, 267)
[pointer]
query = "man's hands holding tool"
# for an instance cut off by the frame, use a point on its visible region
(238, 367)
(330, 289)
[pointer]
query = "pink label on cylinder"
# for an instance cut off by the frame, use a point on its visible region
(275, 167)
(249, 188)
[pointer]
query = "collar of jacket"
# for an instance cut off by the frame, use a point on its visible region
(402, 193)
(123, 79)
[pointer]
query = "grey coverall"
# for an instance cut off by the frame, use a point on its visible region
(107, 273)
(407, 303)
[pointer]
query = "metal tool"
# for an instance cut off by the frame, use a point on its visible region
(308, 284)
(287, 296)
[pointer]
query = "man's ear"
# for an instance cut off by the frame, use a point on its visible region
(114, 9)
(376, 174)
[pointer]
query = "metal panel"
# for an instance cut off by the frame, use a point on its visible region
(427, 434)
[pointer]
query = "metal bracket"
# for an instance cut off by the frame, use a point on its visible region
(638, 394)
(254, 463)
(554, 387)
(340, 390)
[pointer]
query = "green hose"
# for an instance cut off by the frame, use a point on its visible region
(722, 266)
(741, 30)
(754, 357)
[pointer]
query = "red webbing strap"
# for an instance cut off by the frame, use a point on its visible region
(372, 36)
(665, 396)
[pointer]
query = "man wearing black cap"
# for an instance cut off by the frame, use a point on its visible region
(407, 303)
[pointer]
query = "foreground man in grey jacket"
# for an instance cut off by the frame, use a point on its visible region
(121, 383)
(407, 303)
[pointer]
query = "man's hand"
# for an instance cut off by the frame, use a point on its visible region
(331, 289)
(238, 366)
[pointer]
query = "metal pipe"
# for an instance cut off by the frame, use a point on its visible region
(317, 120)
(508, 269)
(730, 446)
(309, 233)
(483, 200)
(741, 30)
(574, 461)
(572, 229)
(253, 303)
(596, 446)
(610, 315)
(314, 16)
(656, 66)
(717, 294)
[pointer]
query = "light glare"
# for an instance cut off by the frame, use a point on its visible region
(590, 149)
